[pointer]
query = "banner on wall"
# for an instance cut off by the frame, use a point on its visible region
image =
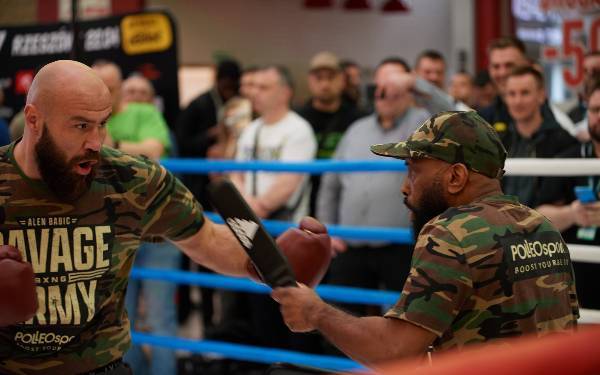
(560, 33)
(141, 42)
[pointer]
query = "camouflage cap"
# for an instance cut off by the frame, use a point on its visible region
(453, 137)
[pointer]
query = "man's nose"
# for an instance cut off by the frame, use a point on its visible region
(95, 139)
(405, 189)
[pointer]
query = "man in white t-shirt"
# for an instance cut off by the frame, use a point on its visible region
(279, 134)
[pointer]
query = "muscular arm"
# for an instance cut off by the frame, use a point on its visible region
(368, 340)
(372, 339)
(215, 247)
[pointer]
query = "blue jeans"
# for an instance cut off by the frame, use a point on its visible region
(161, 313)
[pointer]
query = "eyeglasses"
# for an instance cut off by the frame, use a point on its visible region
(382, 94)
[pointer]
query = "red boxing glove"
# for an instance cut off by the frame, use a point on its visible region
(18, 298)
(308, 250)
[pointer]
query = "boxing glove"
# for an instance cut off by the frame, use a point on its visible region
(18, 299)
(307, 249)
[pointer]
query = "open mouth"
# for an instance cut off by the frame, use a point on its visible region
(85, 167)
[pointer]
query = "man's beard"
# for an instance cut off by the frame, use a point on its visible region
(58, 173)
(430, 205)
(327, 98)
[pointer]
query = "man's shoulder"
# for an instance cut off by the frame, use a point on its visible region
(123, 166)
(294, 117)
(482, 213)
(362, 123)
(202, 100)
(296, 124)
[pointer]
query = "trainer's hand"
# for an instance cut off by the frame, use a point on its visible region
(18, 299)
(308, 250)
(299, 306)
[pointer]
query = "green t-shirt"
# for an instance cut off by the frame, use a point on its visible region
(138, 122)
(489, 270)
(82, 254)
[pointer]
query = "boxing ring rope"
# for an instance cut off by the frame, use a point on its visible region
(525, 167)
(247, 352)
(513, 167)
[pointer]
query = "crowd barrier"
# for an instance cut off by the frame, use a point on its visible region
(537, 167)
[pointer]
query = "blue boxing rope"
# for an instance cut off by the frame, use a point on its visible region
(394, 235)
(247, 352)
(328, 292)
(200, 166)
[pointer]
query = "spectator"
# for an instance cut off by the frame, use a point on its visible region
(371, 199)
(425, 93)
(195, 131)
(591, 67)
(431, 66)
(139, 126)
(578, 221)
(248, 82)
(461, 88)
(196, 125)
(237, 114)
(326, 111)
(528, 134)
(354, 91)
(278, 134)
(137, 89)
(506, 54)
(484, 91)
(591, 70)
(135, 128)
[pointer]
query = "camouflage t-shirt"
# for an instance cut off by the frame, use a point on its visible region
(82, 254)
(489, 270)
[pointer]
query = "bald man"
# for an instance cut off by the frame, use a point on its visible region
(77, 211)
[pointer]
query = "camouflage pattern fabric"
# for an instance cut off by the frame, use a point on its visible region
(82, 254)
(454, 137)
(487, 271)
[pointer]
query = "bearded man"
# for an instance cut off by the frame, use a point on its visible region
(485, 268)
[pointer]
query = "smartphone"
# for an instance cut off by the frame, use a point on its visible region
(585, 194)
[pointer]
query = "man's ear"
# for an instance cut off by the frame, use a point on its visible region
(33, 120)
(457, 177)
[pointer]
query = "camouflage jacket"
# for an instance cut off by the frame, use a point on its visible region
(489, 270)
(81, 254)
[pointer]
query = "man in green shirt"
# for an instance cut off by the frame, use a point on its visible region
(135, 128)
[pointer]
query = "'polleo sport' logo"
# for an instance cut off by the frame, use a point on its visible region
(244, 230)
(535, 254)
(40, 338)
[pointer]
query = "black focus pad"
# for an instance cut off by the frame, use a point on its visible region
(248, 229)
